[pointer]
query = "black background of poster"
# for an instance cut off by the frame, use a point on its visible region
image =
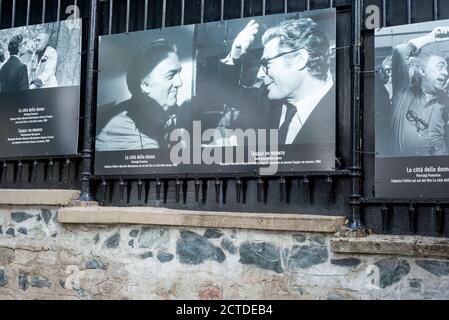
(309, 153)
(63, 103)
(396, 168)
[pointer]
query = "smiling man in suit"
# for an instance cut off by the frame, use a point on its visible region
(295, 71)
(296, 77)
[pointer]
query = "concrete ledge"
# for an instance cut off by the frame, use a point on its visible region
(38, 197)
(393, 245)
(168, 217)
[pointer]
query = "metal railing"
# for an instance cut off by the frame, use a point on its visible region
(317, 191)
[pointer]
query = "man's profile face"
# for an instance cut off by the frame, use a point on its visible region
(282, 79)
(162, 83)
(41, 41)
(436, 75)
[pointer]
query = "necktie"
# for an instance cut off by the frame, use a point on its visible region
(283, 130)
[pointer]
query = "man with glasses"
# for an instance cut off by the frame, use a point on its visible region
(420, 113)
(294, 70)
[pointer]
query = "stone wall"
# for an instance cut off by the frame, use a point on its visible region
(42, 259)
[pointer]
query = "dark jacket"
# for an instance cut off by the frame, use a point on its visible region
(135, 124)
(320, 125)
(14, 75)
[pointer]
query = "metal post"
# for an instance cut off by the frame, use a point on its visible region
(145, 16)
(242, 8)
(221, 10)
(409, 11)
(111, 14)
(164, 12)
(435, 9)
(89, 107)
(13, 13)
(183, 9)
(44, 5)
(28, 12)
(202, 11)
(58, 14)
(128, 4)
(356, 120)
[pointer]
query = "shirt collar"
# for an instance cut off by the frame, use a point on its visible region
(305, 106)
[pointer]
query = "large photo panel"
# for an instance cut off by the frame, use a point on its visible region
(412, 108)
(245, 96)
(40, 69)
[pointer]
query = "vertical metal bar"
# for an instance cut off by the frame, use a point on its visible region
(409, 11)
(145, 16)
(264, 7)
(164, 12)
(435, 9)
(197, 190)
(356, 120)
(89, 107)
(331, 3)
(111, 13)
(128, 4)
(242, 8)
(221, 10)
(384, 13)
(183, 9)
(308, 5)
(44, 5)
(13, 21)
(58, 15)
(28, 12)
(202, 11)
(412, 217)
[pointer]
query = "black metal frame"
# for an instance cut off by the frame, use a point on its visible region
(96, 187)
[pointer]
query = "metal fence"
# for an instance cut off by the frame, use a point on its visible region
(347, 191)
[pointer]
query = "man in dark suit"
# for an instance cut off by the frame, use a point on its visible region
(14, 74)
(294, 69)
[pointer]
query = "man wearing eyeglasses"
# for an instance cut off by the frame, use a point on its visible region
(294, 69)
(420, 108)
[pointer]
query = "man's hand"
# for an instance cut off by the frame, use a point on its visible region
(37, 82)
(440, 34)
(437, 35)
(244, 40)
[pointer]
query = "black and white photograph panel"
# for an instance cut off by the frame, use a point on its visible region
(271, 72)
(40, 56)
(187, 99)
(145, 88)
(412, 90)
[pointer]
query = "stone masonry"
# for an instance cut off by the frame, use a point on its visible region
(42, 259)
